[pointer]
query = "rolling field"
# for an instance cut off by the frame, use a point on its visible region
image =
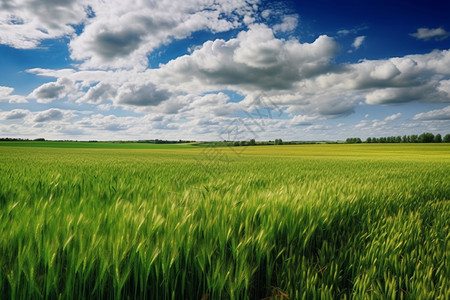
(264, 222)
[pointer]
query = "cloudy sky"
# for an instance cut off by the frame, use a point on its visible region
(223, 69)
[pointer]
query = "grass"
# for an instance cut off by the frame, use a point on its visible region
(275, 222)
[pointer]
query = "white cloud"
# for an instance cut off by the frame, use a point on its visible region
(6, 95)
(305, 119)
(437, 114)
(422, 93)
(51, 72)
(353, 31)
(266, 13)
(25, 23)
(5, 91)
(384, 71)
(431, 33)
(141, 95)
(255, 60)
(15, 114)
(117, 33)
(302, 82)
(392, 96)
(393, 81)
(99, 93)
(444, 86)
(122, 35)
(379, 124)
(212, 105)
(358, 42)
(392, 117)
(49, 115)
(289, 23)
(52, 91)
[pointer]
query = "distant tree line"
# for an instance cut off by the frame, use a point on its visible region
(252, 142)
(353, 141)
(158, 141)
(7, 139)
(425, 137)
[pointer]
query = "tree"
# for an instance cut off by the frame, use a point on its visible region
(414, 138)
(426, 137)
(353, 141)
(278, 142)
(252, 142)
(446, 138)
(405, 139)
(437, 138)
(369, 140)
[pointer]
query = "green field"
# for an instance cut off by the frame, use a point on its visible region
(265, 222)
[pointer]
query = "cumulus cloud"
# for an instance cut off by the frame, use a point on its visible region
(394, 95)
(431, 33)
(121, 35)
(118, 33)
(301, 82)
(51, 91)
(5, 91)
(437, 114)
(141, 95)
(255, 59)
(49, 115)
(424, 93)
(213, 105)
(98, 93)
(6, 95)
(397, 80)
(15, 114)
(112, 44)
(25, 23)
(358, 42)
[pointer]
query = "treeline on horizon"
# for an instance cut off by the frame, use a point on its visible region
(425, 137)
(253, 142)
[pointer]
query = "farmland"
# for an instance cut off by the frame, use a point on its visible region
(186, 222)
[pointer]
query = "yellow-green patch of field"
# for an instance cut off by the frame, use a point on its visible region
(304, 222)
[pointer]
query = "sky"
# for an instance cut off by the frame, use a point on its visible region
(223, 69)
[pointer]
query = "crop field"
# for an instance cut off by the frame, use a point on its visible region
(366, 221)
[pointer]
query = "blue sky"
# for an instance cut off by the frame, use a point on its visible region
(206, 70)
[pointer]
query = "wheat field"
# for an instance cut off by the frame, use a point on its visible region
(263, 222)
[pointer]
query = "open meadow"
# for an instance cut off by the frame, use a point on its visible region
(144, 221)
